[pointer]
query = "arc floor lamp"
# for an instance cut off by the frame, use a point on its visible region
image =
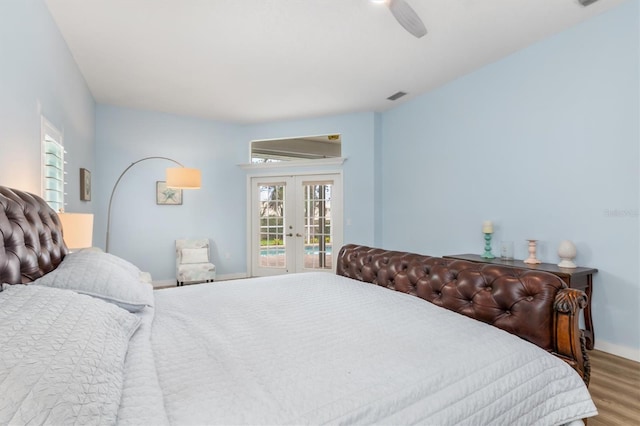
(177, 177)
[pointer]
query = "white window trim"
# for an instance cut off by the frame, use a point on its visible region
(338, 161)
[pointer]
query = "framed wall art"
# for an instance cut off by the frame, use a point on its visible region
(167, 196)
(85, 185)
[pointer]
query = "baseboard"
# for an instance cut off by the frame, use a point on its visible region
(619, 350)
(164, 283)
(227, 277)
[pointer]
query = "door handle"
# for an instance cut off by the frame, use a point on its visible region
(290, 234)
(298, 234)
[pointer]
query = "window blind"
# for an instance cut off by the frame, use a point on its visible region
(53, 174)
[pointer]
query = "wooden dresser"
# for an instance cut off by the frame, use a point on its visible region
(580, 278)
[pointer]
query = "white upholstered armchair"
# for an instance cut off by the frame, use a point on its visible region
(192, 262)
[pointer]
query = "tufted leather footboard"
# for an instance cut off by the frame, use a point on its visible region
(534, 305)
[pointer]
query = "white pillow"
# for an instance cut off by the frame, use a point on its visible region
(195, 255)
(108, 257)
(101, 275)
(62, 357)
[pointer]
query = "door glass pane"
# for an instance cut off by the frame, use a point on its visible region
(271, 215)
(317, 225)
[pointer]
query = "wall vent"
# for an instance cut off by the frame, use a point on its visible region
(396, 95)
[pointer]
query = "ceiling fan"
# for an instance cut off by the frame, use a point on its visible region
(406, 16)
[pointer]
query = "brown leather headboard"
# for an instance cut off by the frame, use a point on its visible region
(31, 241)
(519, 301)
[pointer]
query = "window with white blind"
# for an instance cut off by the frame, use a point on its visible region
(53, 174)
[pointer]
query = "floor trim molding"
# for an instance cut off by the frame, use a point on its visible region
(224, 277)
(619, 350)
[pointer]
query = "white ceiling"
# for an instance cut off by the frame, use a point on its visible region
(249, 61)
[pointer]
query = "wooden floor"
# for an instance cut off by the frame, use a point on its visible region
(615, 388)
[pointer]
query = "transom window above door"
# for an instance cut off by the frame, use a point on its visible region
(302, 148)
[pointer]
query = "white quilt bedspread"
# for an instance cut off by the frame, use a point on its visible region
(319, 348)
(142, 402)
(61, 357)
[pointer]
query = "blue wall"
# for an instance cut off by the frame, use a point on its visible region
(545, 144)
(144, 232)
(39, 76)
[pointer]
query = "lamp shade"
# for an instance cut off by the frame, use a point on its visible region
(183, 178)
(77, 229)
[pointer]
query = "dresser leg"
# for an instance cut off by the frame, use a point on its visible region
(590, 335)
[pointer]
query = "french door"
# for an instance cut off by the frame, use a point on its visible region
(296, 223)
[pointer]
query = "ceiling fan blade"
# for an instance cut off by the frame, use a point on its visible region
(407, 17)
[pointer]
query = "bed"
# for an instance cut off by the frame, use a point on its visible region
(86, 341)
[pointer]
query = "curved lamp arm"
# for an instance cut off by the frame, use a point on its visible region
(113, 191)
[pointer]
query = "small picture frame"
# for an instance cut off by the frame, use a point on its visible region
(85, 185)
(167, 196)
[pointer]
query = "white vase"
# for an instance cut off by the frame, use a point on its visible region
(567, 252)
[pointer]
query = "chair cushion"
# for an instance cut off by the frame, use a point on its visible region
(196, 272)
(194, 255)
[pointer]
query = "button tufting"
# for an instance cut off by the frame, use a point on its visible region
(489, 288)
(530, 298)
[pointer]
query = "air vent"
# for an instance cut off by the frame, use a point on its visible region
(396, 95)
(587, 2)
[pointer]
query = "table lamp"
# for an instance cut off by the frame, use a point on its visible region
(77, 229)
